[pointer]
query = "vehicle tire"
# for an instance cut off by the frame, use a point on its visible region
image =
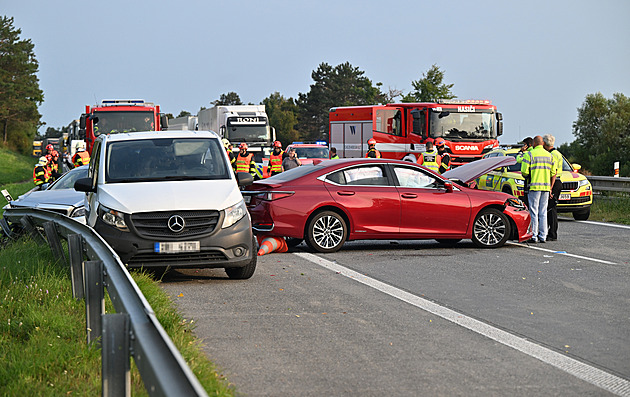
(582, 215)
(326, 232)
(293, 242)
(448, 241)
(491, 228)
(245, 272)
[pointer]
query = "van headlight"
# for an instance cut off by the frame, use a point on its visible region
(234, 214)
(113, 218)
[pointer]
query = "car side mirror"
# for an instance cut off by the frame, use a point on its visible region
(84, 185)
(448, 186)
(244, 178)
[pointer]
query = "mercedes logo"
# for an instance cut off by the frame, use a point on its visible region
(176, 223)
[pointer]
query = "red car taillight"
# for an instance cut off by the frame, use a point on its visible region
(271, 196)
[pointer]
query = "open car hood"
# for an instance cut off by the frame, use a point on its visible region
(471, 171)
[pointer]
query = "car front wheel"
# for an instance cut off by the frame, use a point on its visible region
(491, 228)
(582, 216)
(326, 232)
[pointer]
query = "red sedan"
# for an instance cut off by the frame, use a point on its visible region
(359, 199)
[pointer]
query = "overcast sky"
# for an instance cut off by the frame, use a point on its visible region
(535, 60)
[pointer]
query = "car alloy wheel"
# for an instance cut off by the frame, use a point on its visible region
(491, 228)
(326, 232)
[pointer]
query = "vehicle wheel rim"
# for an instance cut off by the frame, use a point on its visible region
(328, 232)
(489, 229)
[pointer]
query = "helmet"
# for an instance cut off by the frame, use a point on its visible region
(42, 160)
(48, 157)
(50, 147)
(243, 146)
(55, 154)
(429, 140)
(225, 142)
(277, 144)
(371, 141)
(440, 142)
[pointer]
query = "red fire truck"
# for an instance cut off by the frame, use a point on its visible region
(113, 116)
(469, 127)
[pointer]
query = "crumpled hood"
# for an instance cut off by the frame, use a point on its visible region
(471, 171)
(42, 198)
(169, 195)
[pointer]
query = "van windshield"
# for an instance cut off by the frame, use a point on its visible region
(166, 159)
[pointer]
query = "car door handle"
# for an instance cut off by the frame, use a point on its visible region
(345, 193)
(409, 195)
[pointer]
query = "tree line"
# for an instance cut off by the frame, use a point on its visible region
(602, 129)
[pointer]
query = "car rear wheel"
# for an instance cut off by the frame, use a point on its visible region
(326, 232)
(491, 228)
(582, 216)
(245, 272)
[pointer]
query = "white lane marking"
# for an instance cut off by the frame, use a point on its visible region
(586, 258)
(606, 224)
(595, 376)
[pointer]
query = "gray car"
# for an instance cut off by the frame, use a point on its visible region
(60, 196)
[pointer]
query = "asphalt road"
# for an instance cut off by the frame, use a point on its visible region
(416, 318)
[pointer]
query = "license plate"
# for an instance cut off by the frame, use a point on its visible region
(565, 196)
(173, 247)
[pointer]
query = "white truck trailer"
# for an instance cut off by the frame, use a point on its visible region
(184, 123)
(241, 123)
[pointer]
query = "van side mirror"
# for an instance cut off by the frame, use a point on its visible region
(244, 178)
(82, 121)
(84, 185)
(163, 121)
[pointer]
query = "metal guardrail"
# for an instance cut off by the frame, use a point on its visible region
(610, 184)
(133, 331)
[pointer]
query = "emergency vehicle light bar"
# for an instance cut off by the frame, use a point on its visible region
(464, 101)
(126, 102)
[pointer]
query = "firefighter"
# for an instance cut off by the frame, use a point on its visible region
(228, 149)
(49, 149)
(245, 162)
(430, 158)
(445, 157)
(81, 157)
(372, 152)
(275, 159)
(54, 166)
(40, 173)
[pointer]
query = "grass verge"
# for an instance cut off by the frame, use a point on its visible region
(611, 208)
(15, 167)
(43, 346)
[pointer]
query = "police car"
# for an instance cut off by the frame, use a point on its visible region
(576, 196)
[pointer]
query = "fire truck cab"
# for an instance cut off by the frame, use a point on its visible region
(469, 127)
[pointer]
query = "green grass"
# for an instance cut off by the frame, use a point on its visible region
(613, 208)
(43, 347)
(15, 167)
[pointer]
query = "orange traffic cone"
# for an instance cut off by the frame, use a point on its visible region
(271, 244)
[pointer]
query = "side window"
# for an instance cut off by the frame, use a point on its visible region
(372, 175)
(415, 178)
(388, 121)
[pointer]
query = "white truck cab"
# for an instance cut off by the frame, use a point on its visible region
(170, 199)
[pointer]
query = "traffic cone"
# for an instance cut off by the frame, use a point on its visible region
(271, 244)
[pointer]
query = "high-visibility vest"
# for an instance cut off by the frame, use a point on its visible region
(80, 158)
(557, 161)
(431, 160)
(538, 164)
(40, 175)
(243, 163)
(275, 163)
(373, 153)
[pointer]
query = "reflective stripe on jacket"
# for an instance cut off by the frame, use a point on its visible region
(245, 164)
(275, 162)
(538, 164)
(373, 154)
(431, 160)
(40, 175)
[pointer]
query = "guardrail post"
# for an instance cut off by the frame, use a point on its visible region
(94, 299)
(115, 355)
(29, 226)
(6, 228)
(75, 251)
(53, 240)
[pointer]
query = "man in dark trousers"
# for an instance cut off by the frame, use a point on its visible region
(552, 207)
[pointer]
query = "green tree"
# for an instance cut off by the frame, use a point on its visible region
(283, 116)
(602, 131)
(20, 94)
(430, 87)
(342, 85)
(231, 98)
(184, 113)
